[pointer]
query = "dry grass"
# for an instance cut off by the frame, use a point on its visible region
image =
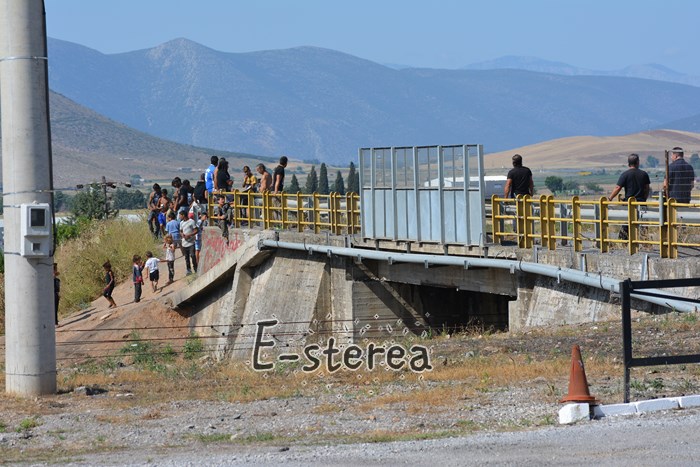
(595, 151)
(234, 382)
(80, 260)
(474, 378)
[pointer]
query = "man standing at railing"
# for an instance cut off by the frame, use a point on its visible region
(519, 180)
(278, 187)
(209, 175)
(278, 176)
(636, 183)
(680, 178)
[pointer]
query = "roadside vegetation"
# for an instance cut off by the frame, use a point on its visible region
(81, 255)
(481, 381)
(83, 246)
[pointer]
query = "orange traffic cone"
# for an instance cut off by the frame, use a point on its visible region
(578, 385)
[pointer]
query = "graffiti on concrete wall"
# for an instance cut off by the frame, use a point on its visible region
(215, 247)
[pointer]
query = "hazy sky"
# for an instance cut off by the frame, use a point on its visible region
(597, 34)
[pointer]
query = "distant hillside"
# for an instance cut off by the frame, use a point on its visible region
(87, 145)
(649, 71)
(314, 103)
(590, 152)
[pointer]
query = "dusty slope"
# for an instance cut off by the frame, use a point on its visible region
(101, 331)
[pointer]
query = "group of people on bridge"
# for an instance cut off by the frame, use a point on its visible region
(678, 183)
(179, 218)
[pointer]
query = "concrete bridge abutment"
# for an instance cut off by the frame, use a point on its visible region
(314, 296)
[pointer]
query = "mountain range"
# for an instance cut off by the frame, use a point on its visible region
(652, 71)
(314, 103)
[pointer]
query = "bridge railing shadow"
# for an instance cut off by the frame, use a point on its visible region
(668, 227)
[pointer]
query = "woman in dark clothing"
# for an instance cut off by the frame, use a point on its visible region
(223, 178)
(200, 190)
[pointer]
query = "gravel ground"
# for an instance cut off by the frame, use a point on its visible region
(668, 438)
(136, 417)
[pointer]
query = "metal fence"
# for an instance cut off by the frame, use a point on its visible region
(668, 227)
(339, 214)
(641, 288)
(423, 194)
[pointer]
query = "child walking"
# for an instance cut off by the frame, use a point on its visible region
(153, 273)
(138, 277)
(169, 248)
(109, 280)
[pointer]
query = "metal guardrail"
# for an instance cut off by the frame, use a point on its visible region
(664, 227)
(339, 214)
(648, 289)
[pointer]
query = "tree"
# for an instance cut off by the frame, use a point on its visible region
(652, 162)
(353, 180)
(61, 201)
(570, 185)
(323, 188)
(91, 203)
(125, 199)
(294, 185)
(338, 184)
(594, 187)
(554, 184)
(311, 181)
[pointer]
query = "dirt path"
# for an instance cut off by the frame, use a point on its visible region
(101, 331)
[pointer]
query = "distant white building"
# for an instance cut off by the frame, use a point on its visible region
(493, 184)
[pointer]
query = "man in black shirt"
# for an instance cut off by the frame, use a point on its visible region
(635, 181)
(519, 179)
(278, 176)
(277, 187)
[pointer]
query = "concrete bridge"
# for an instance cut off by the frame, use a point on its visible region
(413, 254)
(321, 285)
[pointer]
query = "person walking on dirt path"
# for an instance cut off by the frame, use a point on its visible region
(153, 272)
(137, 277)
(681, 177)
(201, 223)
(110, 283)
(173, 229)
(188, 232)
(169, 248)
(56, 290)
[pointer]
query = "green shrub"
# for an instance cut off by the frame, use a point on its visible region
(193, 347)
(71, 228)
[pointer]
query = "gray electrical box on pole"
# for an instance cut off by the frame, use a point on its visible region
(30, 337)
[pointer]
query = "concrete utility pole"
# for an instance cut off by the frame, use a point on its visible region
(30, 340)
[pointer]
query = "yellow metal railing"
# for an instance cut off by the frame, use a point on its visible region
(600, 223)
(339, 214)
